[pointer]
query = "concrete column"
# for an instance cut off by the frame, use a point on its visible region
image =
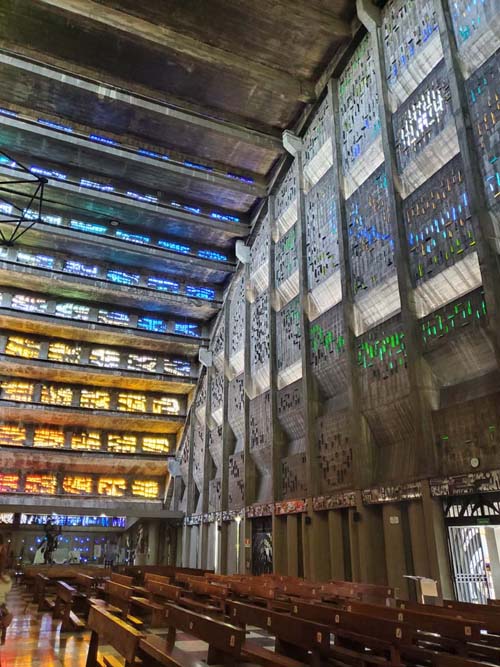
(153, 542)
(437, 541)
(207, 473)
(309, 388)
(293, 525)
(319, 545)
(250, 468)
(395, 555)
(487, 233)
(363, 453)
(353, 521)
(281, 544)
(424, 395)
(336, 545)
(306, 545)
(227, 448)
(277, 433)
(370, 528)
(421, 562)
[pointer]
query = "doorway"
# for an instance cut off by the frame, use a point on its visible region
(473, 526)
(262, 545)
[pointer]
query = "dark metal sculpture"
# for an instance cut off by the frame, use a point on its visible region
(52, 534)
(13, 220)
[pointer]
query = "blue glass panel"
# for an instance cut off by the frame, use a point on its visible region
(93, 185)
(149, 199)
(200, 292)
(48, 173)
(152, 324)
(163, 284)
(89, 227)
(103, 140)
(187, 329)
(71, 266)
(176, 247)
(195, 165)
(132, 238)
(224, 218)
(54, 126)
(211, 254)
(40, 261)
(122, 278)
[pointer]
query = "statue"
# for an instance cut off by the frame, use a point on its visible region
(52, 534)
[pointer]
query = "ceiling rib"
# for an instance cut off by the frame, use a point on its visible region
(204, 118)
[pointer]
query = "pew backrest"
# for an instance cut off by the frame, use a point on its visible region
(122, 579)
(115, 632)
(165, 591)
(223, 636)
(205, 588)
(64, 591)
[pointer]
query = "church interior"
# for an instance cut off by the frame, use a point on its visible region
(249, 333)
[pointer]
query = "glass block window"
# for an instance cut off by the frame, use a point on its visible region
(38, 261)
(94, 399)
(155, 445)
(112, 486)
(152, 324)
(145, 488)
(166, 406)
(15, 390)
(49, 438)
(12, 434)
(484, 96)
(113, 317)
(104, 357)
(358, 97)
(129, 402)
(41, 484)
(65, 353)
(122, 277)
(77, 485)
(122, 444)
(18, 346)
(370, 241)
(54, 395)
(422, 117)
(80, 269)
(141, 362)
(73, 311)
(29, 304)
(8, 482)
(87, 440)
(132, 238)
(175, 247)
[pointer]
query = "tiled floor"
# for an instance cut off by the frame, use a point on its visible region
(34, 639)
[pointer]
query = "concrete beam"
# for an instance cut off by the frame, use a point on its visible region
(89, 80)
(165, 37)
(30, 504)
(80, 139)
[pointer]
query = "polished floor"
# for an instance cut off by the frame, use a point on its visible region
(34, 639)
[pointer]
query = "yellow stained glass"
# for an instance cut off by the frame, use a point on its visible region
(64, 352)
(166, 406)
(77, 484)
(132, 402)
(17, 391)
(146, 488)
(155, 445)
(95, 399)
(104, 357)
(54, 395)
(8, 482)
(89, 440)
(11, 434)
(18, 346)
(112, 486)
(50, 438)
(40, 484)
(122, 444)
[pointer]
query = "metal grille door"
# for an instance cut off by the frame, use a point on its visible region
(469, 564)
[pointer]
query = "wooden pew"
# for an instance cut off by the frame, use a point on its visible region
(445, 632)
(117, 601)
(111, 630)
(185, 578)
(85, 584)
(205, 597)
(66, 605)
(122, 579)
(356, 632)
(295, 638)
(149, 577)
(43, 585)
